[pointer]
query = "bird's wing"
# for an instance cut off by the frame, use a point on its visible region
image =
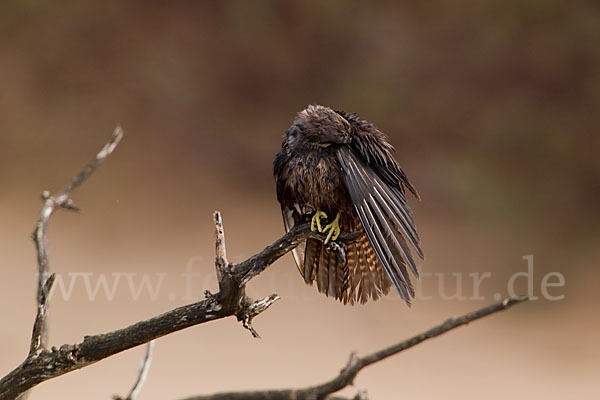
(384, 214)
(377, 153)
(298, 252)
(373, 147)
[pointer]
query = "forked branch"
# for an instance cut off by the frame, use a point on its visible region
(42, 364)
(40, 237)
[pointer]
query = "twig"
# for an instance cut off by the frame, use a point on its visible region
(355, 364)
(142, 374)
(40, 237)
(220, 249)
(252, 310)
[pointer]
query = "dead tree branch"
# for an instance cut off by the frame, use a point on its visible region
(43, 364)
(40, 237)
(355, 364)
(229, 301)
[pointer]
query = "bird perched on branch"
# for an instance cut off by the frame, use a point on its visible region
(337, 171)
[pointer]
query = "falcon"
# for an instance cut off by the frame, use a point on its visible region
(338, 172)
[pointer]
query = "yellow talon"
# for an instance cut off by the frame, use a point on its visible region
(315, 223)
(333, 228)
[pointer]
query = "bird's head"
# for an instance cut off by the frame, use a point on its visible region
(320, 126)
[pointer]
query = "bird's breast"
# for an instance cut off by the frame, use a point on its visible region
(314, 181)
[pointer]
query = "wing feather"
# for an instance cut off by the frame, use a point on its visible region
(298, 252)
(385, 219)
(375, 149)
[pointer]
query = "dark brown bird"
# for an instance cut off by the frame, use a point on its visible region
(339, 168)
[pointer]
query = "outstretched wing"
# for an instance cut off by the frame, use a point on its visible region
(374, 148)
(376, 185)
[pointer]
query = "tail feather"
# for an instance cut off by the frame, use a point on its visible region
(357, 278)
(312, 253)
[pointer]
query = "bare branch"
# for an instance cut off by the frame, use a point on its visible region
(355, 364)
(142, 374)
(253, 266)
(229, 301)
(40, 237)
(42, 364)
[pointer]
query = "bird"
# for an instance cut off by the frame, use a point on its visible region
(338, 172)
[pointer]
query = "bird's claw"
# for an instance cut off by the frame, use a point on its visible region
(333, 228)
(315, 223)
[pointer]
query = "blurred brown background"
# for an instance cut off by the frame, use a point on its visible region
(493, 109)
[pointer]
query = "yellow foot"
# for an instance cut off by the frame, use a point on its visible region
(333, 228)
(315, 222)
